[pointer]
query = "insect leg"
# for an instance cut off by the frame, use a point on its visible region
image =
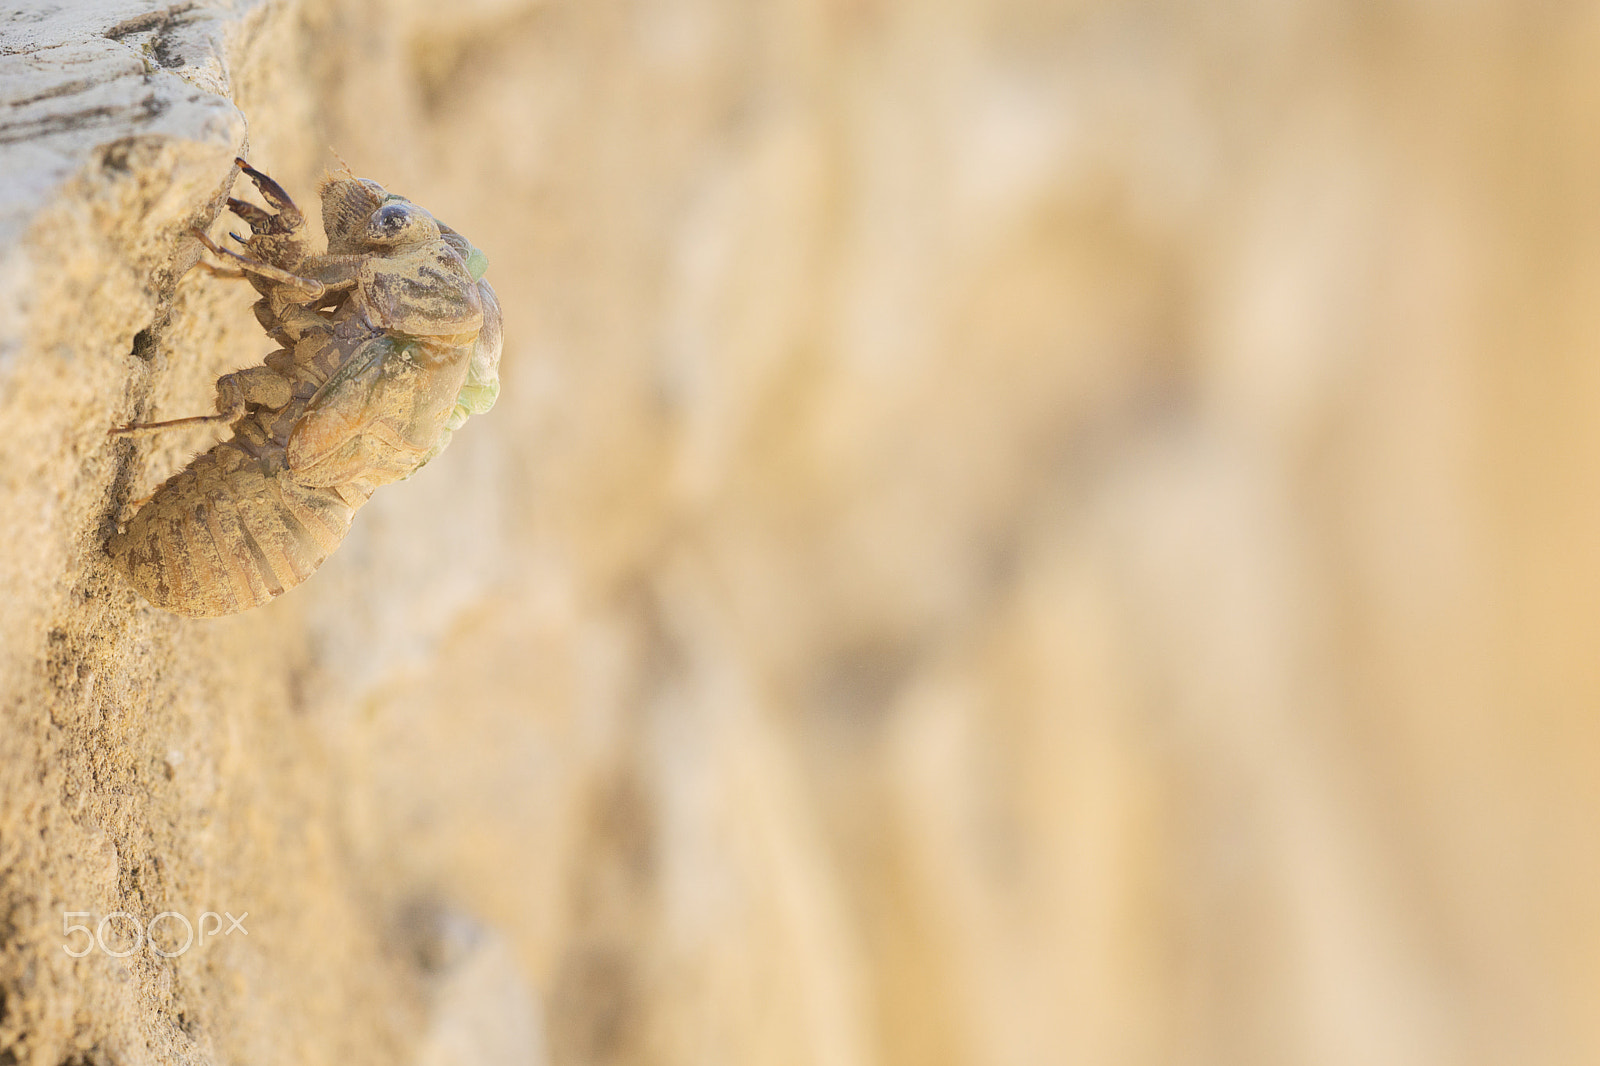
(313, 288)
(145, 429)
(260, 220)
(236, 392)
(259, 385)
(220, 272)
(273, 193)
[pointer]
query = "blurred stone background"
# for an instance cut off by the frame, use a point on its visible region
(1016, 532)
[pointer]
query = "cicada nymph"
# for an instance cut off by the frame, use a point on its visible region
(389, 342)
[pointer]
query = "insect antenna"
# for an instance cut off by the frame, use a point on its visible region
(348, 173)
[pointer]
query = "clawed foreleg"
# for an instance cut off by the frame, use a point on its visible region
(273, 193)
(259, 219)
(311, 288)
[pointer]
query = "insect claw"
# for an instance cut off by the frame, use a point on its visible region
(260, 221)
(271, 191)
(313, 289)
(238, 238)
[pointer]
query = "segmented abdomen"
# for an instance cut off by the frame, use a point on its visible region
(231, 531)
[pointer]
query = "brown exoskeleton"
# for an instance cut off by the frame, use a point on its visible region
(390, 341)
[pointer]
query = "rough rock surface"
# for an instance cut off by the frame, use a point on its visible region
(1015, 533)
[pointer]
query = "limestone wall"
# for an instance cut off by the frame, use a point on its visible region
(1014, 533)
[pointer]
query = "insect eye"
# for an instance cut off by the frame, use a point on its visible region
(391, 221)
